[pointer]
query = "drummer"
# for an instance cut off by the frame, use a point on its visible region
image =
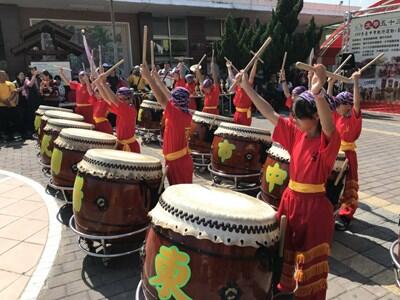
(191, 87)
(290, 96)
(101, 110)
(83, 91)
(177, 127)
(242, 102)
(178, 74)
(122, 106)
(211, 90)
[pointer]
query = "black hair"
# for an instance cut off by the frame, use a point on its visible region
(303, 109)
(57, 77)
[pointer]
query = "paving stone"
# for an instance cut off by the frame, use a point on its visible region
(375, 289)
(363, 265)
(54, 293)
(357, 293)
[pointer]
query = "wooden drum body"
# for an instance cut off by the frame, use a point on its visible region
(114, 191)
(40, 112)
(238, 149)
(195, 249)
(69, 149)
(334, 191)
(150, 115)
(275, 177)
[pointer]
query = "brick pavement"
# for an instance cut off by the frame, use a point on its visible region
(360, 266)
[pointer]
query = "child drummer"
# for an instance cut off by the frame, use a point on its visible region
(313, 143)
(210, 89)
(177, 127)
(100, 111)
(122, 106)
(290, 95)
(348, 120)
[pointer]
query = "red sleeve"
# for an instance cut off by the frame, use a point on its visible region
(356, 123)
(329, 148)
(73, 85)
(284, 133)
(289, 102)
(93, 99)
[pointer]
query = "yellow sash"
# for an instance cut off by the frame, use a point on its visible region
(345, 146)
(306, 188)
(177, 154)
(100, 119)
(126, 143)
(244, 110)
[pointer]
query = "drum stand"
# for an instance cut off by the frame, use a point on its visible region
(139, 292)
(148, 135)
(60, 191)
(396, 260)
(97, 245)
(238, 184)
(45, 168)
(201, 160)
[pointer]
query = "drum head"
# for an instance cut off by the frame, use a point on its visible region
(202, 117)
(218, 215)
(115, 164)
(45, 107)
(58, 124)
(151, 104)
(279, 153)
(251, 133)
(54, 114)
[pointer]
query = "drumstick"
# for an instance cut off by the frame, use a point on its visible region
(259, 59)
(303, 66)
(342, 170)
(202, 59)
(100, 58)
(372, 62)
(283, 66)
(282, 233)
(152, 54)
(162, 180)
(234, 68)
(144, 54)
(68, 69)
(110, 70)
(343, 63)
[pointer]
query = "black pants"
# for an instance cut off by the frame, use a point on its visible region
(10, 121)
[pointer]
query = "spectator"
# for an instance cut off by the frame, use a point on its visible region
(114, 80)
(135, 80)
(48, 89)
(32, 86)
(60, 87)
(22, 106)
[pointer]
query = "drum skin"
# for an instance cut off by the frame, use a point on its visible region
(68, 169)
(217, 271)
(278, 180)
(111, 207)
(201, 136)
(150, 118)
(48, 150)
(237, 155)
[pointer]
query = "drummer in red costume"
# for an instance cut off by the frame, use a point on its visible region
(313, 143)
(122, 106)
(177, 127)
(241, 101)
(83, 91)
(348, 122)
(178, 74)
(211, 90)
(100, 111)
(191, 87)
(290, 96)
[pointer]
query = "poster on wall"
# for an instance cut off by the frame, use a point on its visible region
(369, 36)
(53, 67)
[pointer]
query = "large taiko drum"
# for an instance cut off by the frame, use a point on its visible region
(209, 243)
(202, 130)
(150, 115)
(114, 191)
(336, 180)
(51, 132)
(238, 149)
(56, 114)
(275, 176)
(69, 149)
(40, 112)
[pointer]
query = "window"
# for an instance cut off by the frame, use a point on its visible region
(213, 29)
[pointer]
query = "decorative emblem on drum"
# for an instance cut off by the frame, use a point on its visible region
(275, 176)
(36, 123)
(231, 292)
(225, 150)
(172, 273)
(140, 113)
(56, 160)
(101, 203)
(44, 147)
(77, 195)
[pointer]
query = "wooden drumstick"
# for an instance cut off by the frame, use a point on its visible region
(342, 170)
(110, 70)
(64, 68)
(303, 66)
(372, 62)
(100, 58)
(282, 233)
(234, 68)
(283, 66)
(341, 66)
(153, 66)
(259, 59)
(202, 59)
(144, 54)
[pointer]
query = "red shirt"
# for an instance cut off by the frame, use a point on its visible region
(126, 120)
(241, 99)
(177, 128)
(289, 102)
(349, 128)
(212, 99)
(180, 83)
(191, 87)
(82, 95)
(100, 107)
(312, 159)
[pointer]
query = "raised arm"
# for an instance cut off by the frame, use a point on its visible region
(88, 86)
(253, 73)
(356, 92)
(63, 77)
(105, 92)
(160, 83)
(324, 112)
(157, 90)
(262, 105)
(284, 84)
(231, 76)
(214, 72)
(199, 77)
(31, 82)
(331, 85)
(182, 70)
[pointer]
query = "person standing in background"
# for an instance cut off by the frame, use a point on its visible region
(22, 106)
(32, 86)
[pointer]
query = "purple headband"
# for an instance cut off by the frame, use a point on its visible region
(82, 73)
(124, 91)
(180, 98)
(189, 78)
(344, 98)
(207, 83)
(298, 90)
(310, 98)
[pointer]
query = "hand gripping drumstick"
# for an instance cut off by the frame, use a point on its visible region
(372, 62)
(283, 66)
(259, 59)
(303, 66)
(234, 68)
(109, 71)
(282, 232)
(342, 170)
(144, 53)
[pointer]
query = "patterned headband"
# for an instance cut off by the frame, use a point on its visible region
(344, 98)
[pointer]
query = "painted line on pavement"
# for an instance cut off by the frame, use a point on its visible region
(381, 131)
(388, 122)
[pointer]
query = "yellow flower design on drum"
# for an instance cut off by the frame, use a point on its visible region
(44, 147)
(172, 273)
(77, 195)
(225, 150)
(36, 123)
(140, 113)
(56, 160)
(275, 176)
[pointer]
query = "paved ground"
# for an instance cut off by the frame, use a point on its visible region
(360, 262)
